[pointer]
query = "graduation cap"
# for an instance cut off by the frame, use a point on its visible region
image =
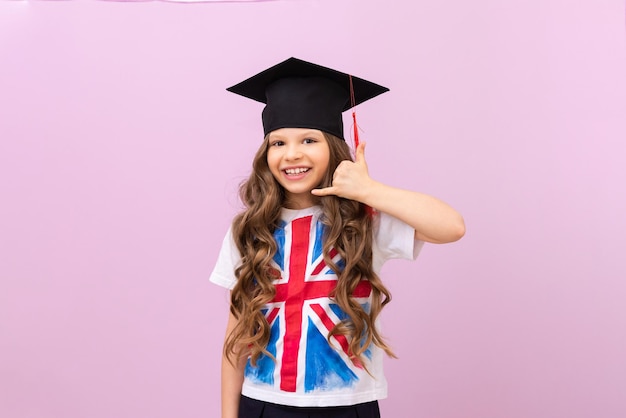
(300, 94)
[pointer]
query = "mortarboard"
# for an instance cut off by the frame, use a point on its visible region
(300, 94)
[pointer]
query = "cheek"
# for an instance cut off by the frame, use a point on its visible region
(273, 162)
(271, 159)
(325, 159)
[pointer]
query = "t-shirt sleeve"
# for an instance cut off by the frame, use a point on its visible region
(228, 259)
(393, 239)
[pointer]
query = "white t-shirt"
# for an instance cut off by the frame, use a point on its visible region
(308, 371)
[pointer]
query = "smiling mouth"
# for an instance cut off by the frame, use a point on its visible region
(295, 171)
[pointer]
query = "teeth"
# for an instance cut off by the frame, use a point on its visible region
(296, 170)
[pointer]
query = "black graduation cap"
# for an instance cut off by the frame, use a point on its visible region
(300, 94)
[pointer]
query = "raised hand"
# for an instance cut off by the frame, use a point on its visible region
(433, 220)
(351, 180)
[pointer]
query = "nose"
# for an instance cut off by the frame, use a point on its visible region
(293, 152)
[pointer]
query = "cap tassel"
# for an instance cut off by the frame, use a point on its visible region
(354, 124)
(356, 130)
(370, 211)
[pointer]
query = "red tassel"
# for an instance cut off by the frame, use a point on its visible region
(354, 124)
(356, 130)
(370, 211)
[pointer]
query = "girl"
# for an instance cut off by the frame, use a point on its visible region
(302, 260)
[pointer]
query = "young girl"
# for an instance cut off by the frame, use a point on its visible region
(302, 259)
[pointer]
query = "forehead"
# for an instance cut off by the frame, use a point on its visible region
(295, 133)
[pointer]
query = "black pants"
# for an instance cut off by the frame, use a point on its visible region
(251, 408)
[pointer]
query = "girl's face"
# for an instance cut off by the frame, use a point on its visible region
(298, 159)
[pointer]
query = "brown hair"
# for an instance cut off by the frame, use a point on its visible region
(348, 230)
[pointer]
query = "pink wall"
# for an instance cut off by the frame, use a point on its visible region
(120, 154)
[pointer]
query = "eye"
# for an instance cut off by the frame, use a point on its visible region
(310, 140)
(276, 143)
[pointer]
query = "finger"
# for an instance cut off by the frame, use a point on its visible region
(360, 153)
(326, 191)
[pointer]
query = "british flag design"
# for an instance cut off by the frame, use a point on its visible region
(302, 314)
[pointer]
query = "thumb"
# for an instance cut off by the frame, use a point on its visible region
(359, 156)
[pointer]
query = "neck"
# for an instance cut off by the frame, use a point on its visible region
(292, 202)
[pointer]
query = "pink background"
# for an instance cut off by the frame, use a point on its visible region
(121, 152)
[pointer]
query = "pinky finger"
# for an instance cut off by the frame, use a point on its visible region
(324, 192)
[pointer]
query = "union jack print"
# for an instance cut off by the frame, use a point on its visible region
(301, 316)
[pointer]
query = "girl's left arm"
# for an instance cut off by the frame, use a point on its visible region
(433, 220)
(232, 378)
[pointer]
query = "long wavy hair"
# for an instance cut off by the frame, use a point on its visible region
(348, 229)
